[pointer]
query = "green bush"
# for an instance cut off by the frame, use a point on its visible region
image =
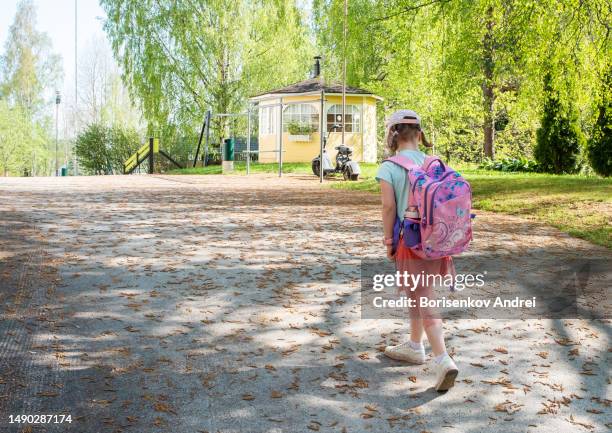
(214, 156)
(559, 138)
(599, 149)
(511, 164)
(102, 150)
(460, 144)
(123, 142)
(92, 150)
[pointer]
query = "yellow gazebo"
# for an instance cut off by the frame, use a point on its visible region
(300, 122)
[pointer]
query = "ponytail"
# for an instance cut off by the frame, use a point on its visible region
(392, 140)
(424, 140)
(405, 132)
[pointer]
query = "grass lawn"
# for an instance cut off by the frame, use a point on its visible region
(240, 168)
(578, 205)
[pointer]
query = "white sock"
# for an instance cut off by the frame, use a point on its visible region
(416, 346)
(440, 357)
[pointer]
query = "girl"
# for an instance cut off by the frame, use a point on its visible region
(403, 136)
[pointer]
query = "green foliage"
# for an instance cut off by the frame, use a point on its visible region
(92, 149)
(122, 143)
(214, 156)
(29, 72)
(521, 164)
(28, 67)
(464, 64)
(102, 150)
(182, 58)
(300, 128)
(182, 148)
(13, 125)
(599, 148)
(22, 144)
(559, 138)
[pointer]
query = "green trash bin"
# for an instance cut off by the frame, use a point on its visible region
(64, 171)
(227, 165)
(228, 149)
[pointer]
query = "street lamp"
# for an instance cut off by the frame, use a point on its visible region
(58, 99)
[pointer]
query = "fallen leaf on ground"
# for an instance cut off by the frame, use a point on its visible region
(47, 394)
(582, 424)
(508, 407)
(163, 407)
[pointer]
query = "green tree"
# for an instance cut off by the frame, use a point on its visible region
(559, 138)
(12, 126)
(22, 150)
(182, 58)
(600, 143)
(29, 75)
(31, 71)
(93, 150)
(471, 68)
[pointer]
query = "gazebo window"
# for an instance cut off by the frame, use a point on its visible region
(351, 122)
(268, 120)
(304, 115)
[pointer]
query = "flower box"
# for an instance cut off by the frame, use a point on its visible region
(299, 137)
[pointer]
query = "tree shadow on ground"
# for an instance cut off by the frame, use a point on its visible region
(177, 309)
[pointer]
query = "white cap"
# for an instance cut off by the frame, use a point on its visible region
(401, 116)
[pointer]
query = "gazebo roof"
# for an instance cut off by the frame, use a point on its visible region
(312, 85)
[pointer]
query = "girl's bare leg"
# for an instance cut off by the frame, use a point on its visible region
(432, 323)
(416, 330)
(435, 335)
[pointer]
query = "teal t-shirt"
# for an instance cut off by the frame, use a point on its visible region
(396, 176)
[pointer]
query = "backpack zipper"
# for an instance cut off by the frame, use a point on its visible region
(433, 195)
(427, 188)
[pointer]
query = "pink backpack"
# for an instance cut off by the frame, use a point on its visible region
(444, 200)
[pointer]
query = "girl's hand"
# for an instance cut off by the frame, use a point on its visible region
(390, 253)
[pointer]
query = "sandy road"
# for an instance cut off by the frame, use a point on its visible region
(231, 304)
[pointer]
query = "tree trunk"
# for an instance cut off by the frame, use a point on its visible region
(489, 121)
(488, 91)
(222, 96)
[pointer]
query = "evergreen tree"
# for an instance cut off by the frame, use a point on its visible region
(559, 138)
(600, 144)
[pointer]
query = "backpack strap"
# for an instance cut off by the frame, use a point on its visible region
(430, 160)
(408, 165)
(403, 161)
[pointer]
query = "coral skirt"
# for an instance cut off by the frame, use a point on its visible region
(433, 272)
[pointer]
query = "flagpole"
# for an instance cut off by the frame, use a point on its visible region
(76, 87)
(344, 70)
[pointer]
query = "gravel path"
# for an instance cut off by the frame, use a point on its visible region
(231, 304)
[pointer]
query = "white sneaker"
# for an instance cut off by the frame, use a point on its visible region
(446, 372)
(403, 352)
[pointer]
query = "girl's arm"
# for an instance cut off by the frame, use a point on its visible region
(389, 213)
